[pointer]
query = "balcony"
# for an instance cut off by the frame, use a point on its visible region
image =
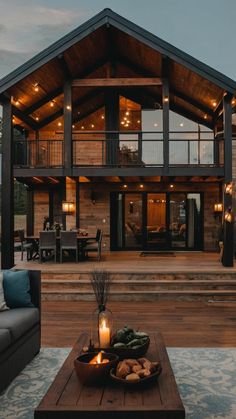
(122, 149)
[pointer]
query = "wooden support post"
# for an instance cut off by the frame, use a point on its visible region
(165, 101)
(77, 194)
(112, 124)
(228, 253)
(51, 206)
(30, 212)
(7, 253)
(63, 198)
(67, 127)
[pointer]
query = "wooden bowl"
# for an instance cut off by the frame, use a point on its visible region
(141, 382)
(124, 353)
(93, 374)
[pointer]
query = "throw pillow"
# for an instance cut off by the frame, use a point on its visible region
(3, 305)
(16, 287)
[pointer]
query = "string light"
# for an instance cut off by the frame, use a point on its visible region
(52, 103)
(125, 186)
(36, 87)
(59, 124)
(205, 116)
(141, 186)
(214, 103)
(102, 116)
(171, 185)
(37, 118)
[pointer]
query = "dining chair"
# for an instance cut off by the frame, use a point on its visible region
(47, 243)
(95, 246)
(69, 242)
(24, 245)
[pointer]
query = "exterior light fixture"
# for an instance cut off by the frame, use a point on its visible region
(103, 117)
(16, 102)
(82, 127)
(205, 116)
(52, 103)
(166, 99)
(125, 186)
(59, 124)
(68, 207)
(228, 215)
(218, 208)
(141, 186)
(73, 126)
(214, 103)
(181, 124)
(229, 188)
(171, 185)
(233, 102)
(68, 107)
(37, 118)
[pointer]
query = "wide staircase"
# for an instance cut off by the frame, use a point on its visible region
(140, 286)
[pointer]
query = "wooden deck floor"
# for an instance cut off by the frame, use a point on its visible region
(183, 324)
(133, 262)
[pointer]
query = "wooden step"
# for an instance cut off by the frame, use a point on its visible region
(189, 295)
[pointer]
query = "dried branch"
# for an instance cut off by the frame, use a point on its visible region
(100, 281)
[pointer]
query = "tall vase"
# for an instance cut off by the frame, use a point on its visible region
(102, 323)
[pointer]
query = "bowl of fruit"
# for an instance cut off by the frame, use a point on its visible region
(129, 343)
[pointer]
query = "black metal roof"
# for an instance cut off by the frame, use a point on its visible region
(108, 17)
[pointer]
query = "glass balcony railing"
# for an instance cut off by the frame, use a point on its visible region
(118, 149)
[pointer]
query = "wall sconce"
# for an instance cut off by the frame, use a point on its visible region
(218, 208)
(68, 207)
(228, 215)
(229, 188)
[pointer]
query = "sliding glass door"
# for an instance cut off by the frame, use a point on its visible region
(156, 221)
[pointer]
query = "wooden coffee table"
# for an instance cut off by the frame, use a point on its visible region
(67, 398)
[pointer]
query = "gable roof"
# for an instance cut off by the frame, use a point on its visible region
(110, 18)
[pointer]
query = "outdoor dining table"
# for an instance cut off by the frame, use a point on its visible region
(34, 239)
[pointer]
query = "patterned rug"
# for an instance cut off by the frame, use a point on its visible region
(206, 379)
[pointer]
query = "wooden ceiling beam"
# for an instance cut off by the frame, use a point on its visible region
(25, 118)
(50, 96)
(192, 101)
(117, 82)
(59, 113)
(56, 92)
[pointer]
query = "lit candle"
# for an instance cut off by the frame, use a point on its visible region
(104, 334)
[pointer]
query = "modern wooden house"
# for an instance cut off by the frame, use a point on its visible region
(133, 132)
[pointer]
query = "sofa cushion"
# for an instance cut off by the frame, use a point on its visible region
(16, 285)
(5, 339)
(18, 321)
(3, 305)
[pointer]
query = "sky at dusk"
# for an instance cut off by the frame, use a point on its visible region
(203, 28)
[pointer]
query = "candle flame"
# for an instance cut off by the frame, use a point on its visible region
(96, 359)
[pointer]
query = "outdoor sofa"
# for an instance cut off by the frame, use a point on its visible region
(20, 333)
